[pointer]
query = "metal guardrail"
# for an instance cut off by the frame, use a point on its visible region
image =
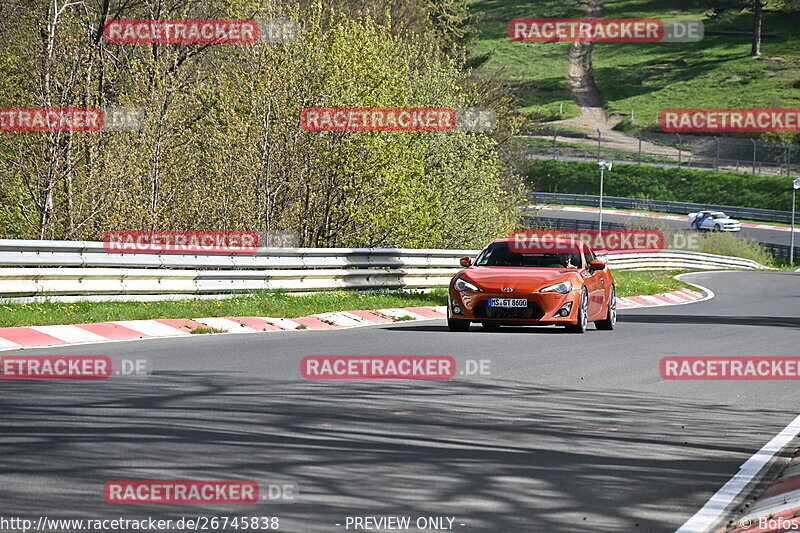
(92, 254)
(683, 208)
(32, 269)
(676, 259)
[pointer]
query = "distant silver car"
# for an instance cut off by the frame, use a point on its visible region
(713, 221)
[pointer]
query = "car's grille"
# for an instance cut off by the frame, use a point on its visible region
(533, 311)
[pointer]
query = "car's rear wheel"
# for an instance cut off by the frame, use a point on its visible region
(695, 226)
(456, 324)
(490, 326)
(583, 313)
(608, 323)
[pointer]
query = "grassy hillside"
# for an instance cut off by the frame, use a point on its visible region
(648, 77)
(671, 184)
(536, 72)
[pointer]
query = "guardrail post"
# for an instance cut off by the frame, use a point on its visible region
(716, 159)
(555, 134)
(754, 154)
(639, 135)
(680, 149)
(788, 159)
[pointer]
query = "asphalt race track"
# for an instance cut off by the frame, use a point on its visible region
(570, 433)
(758, 234)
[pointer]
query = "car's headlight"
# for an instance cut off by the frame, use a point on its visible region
(464, 285)
(561, 288)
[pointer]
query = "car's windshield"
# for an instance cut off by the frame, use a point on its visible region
(499, 254)
(718, 215)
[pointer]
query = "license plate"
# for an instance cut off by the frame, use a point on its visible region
(508, 302)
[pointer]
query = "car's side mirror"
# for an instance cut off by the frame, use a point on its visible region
(465, 261)
(596, 264)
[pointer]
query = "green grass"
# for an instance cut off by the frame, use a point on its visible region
(535, 72)
(656, 183)
(721, 243)
(639, 282)
(647, 77)
(272, 304)
(715, 72)
(203, 331)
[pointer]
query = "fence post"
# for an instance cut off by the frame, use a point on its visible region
(599, 137)
(555, 134)
(639, 135)
(680, 151)
(788, 160)
(754, 154)
(633, 116)
(716, 160)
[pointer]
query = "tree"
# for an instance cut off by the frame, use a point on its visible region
(722, 7)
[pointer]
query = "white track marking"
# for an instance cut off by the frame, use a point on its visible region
(69, 333)
(151, 328)
(711, 512)
(284, 323)
(5, 343)
(224, 324)
(341, 319)
(677, 298)
(709, 293)
(397, 312)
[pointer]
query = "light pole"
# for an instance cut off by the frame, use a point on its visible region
(604, 165)
(795, 186)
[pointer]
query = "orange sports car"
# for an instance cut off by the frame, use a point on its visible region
(554, 282)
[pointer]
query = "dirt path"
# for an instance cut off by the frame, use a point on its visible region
(587, 95)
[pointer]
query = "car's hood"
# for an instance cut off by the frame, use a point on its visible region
(517, 278)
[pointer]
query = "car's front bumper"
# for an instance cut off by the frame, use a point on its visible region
(542, 308)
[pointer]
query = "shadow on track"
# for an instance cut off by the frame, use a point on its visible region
(501, 456)
(772, 321)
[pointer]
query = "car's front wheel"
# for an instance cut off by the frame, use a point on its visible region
(583, 313)
(457, 324)
(608, 323)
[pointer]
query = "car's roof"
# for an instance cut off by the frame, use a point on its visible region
(578, 243)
